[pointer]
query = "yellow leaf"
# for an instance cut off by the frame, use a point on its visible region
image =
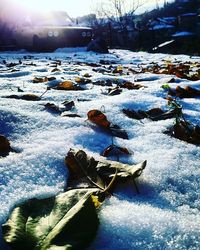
(95, 200)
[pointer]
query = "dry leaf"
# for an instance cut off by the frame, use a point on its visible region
(82, 80)
(130, 85)
(116, 150)
(40, 79)
(27, 97)
(68, 85)
(97, 117)
(4, 146)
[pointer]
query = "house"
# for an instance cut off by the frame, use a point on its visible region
(161, 29)
(188, 21)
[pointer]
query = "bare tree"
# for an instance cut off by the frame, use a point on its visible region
(120, 14)
(118, 11)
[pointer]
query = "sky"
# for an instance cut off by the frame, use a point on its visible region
(74, 7)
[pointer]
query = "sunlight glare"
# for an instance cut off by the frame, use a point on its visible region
(41, 5)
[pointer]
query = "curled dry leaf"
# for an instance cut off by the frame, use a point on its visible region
(113, 91)
(132, 114)
(115, 130)
(98, 118)
(101, 172)
(51, 78)
(68, 105)
(55, 70)
(155, 114)
(68, 85)
(40, 79)
(30, 97)
(107, 82)
(10, 65)
(82, 80)
(187, 92)
(116, 150)
(51, 107)
(172, 80)
(185, 131)
(130, 85)
(186, 70)
(82, 168)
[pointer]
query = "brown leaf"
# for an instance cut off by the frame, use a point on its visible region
(27, 97)
(187, 92)
(155, 112)
(40, 79)
(192, 91)
(30, 97)
(100, 172)
(130, 85)
(51, 107)
(68, 105)
(97, 117)
(68, 85)
(113, 91)
(4, 146)
(132, 114)
(82, 80)
(184, 131)
(51, 78)
(81, 166)
(71, 115)
(116, 150)
(55, 70)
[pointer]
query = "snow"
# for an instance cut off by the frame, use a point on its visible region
(182, 33)
(189, 14)
(162, 26)
(167, 20)
(165, 215)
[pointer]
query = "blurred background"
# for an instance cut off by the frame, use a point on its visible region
(153, 26)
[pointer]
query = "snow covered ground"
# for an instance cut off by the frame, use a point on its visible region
(165, 215)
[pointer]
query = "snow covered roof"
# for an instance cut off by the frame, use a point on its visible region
(189, 14)
(184, 1)
(182, 33)
(167, 19)
(162, 26)
(163, 44)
